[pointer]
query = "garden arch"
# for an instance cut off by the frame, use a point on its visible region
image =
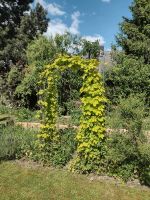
(91, 131)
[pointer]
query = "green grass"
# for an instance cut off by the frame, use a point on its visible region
(18, 182)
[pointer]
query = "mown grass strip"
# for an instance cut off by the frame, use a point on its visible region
(39, 183)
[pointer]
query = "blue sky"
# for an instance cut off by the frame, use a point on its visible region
(92, 19)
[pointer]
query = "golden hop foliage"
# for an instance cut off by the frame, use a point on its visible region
(92, 130)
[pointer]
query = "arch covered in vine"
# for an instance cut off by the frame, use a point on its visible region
(91, 132)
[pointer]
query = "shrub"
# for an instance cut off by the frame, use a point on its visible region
(75, 112)
(15, 142)
(20, 114)
(24, 114)
(146, 124)
(58, 153)
(122, 157)
(113, 119)
(128, 152)
(65, 149)
(13, 79)
(144, 164)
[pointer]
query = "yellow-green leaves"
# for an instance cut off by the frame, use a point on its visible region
(92, 131)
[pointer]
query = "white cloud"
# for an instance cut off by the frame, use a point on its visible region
(107, 1)
(58, 26)
(52, 8)
(55, 9)
(74, 28)
(94, 38)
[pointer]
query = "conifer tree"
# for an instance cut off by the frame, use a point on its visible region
(135, 32)
(131, 73)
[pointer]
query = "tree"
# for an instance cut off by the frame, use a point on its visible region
(40, 52)
(90, 49)
(19, 25)
(11, 13)
(68, 43)
(132, 71)
(17, 28)
(10, 19)
(43, 51)
(135, 33)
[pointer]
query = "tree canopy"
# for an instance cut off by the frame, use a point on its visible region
(135, 32)
(132, 71)
(19, 24)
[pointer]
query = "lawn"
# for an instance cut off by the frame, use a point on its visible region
(19, 182)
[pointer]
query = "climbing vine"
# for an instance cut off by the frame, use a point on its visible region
(91, 132)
